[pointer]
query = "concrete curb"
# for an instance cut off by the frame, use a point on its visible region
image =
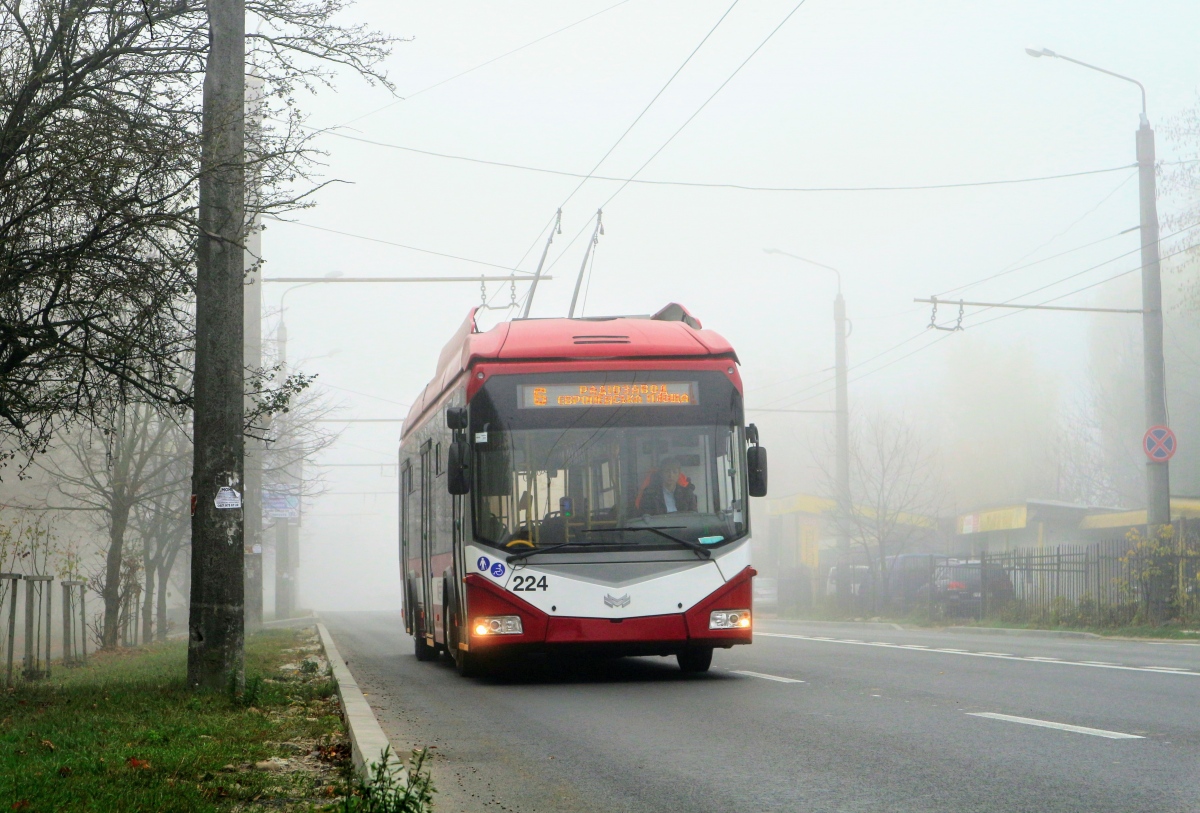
(1030, 633)
(367, 740)
(290, 623)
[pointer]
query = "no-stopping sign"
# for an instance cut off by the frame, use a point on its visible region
(1159, 444)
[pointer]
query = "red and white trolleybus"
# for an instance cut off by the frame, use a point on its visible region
(580, 484)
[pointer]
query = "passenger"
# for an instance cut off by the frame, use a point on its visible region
(666, 490)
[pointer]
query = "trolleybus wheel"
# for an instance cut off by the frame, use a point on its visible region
(422, 650)
(695, 660)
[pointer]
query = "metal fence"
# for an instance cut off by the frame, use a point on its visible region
(1115, 582)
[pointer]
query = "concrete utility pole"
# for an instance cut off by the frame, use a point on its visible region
(842, 431)
(252, 360)
(1158, 475)
(216, 631)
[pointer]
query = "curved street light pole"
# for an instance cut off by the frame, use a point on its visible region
(1158, 479)
(842, 409)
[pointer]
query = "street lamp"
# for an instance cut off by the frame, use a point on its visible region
(1158, 481)
(842, 408)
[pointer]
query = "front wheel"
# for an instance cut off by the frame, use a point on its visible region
(695, 661)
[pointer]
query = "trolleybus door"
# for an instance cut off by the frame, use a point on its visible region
(427, 535)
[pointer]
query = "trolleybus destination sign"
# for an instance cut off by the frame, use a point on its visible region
(667, 393)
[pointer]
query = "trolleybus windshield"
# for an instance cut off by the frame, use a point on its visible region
(604, 462)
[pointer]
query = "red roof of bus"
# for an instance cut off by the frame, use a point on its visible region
(670, 333)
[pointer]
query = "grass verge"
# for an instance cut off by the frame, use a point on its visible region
(125, 734)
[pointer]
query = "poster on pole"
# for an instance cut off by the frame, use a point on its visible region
(280, 505)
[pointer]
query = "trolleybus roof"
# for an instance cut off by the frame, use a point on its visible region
(670, 333)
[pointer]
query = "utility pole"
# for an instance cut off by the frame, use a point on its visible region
(842, 471)
(252, 362)
(1158, 474)
(285, 566)
(216, 628)
(841, 433)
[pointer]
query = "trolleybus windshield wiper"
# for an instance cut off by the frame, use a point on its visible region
(512, 557)
(703, 551)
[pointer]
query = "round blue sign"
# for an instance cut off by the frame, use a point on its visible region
(498, 570)
(483, 563)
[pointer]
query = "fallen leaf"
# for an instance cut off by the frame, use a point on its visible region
(21, 804)
(138, 764)
(48, 744)
(64, 772)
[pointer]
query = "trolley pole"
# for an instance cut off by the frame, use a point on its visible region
(252, 361)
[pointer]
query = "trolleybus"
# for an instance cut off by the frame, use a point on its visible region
(580, 485)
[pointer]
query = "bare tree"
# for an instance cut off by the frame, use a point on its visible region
(111, 471)
(100, 110)
(895, 493)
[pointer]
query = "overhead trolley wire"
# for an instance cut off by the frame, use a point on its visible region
(400, 245)
(893, 348)
(620, 138)
(484, 64)
(680, 129)
(735, 186)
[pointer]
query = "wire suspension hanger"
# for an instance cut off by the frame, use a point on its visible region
(958, 325)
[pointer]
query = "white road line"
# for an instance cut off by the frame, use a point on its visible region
(775, 678)
(1077, 729)
(1156, 670)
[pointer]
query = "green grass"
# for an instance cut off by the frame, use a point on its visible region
(125, 734)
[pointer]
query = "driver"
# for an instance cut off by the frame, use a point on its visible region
(666, 490)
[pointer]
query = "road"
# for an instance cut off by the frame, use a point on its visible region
(871, 719)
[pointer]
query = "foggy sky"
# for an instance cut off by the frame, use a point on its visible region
(846, 94)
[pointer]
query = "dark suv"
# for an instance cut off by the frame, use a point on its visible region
(958, 588)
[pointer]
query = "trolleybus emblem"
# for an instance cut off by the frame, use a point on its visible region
(617, 601)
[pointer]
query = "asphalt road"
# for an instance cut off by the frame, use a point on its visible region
(874, 719)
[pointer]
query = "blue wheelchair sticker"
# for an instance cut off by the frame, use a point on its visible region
(498, 570)
(483, 563)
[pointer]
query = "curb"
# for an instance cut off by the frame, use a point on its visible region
(367, 740)
(287, 623)
(1030, 633)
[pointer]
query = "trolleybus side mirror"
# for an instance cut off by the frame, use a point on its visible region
(458, 468)
(756, 464)
(456, 418)
(756, 471)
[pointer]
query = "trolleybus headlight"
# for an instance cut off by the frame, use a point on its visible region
(498, 625)
(729, 619)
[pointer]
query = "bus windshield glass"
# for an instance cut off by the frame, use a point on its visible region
(595, 466)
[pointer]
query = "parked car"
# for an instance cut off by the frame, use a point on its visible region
(766, 594)
(860, 581)
(959, 588)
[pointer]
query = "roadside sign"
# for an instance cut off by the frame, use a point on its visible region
(1159, 444)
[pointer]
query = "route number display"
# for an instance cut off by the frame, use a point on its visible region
(667, 393)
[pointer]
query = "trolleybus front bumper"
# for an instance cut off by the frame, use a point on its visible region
(650, 635)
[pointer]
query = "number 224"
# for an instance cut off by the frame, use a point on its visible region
(528, 584)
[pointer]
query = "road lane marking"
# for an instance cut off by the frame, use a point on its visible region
(775, 678)
(1077, 729)
(1156, 670)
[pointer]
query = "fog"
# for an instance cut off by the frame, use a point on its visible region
(846, 94)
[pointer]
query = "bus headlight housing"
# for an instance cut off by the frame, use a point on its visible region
(729, 619)
(497, 625)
